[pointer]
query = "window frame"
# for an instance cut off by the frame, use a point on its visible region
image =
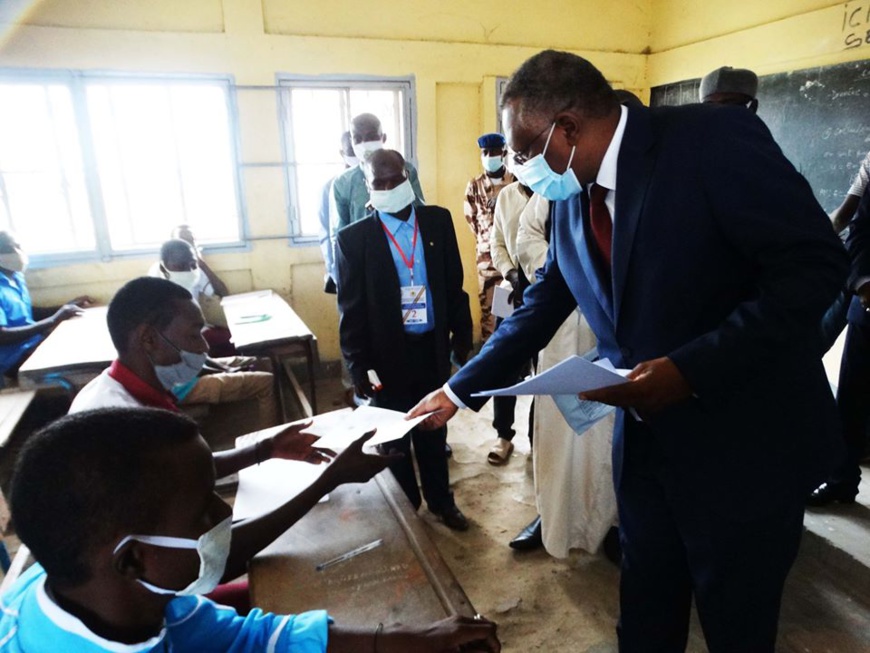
(285, 82)
(77, 82)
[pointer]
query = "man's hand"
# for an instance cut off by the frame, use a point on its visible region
(292, 444)
(65, 312)
(452, 634)
(353, 465)
(654, 385)
(513, 278)
(434, 401)
(864, 295)
(84, 301)
(364, 389)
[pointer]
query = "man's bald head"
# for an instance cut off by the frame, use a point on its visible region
(385, 170)
(366, 127)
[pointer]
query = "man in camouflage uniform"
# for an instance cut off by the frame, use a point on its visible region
(480, 196)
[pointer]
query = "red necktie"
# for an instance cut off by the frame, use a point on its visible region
(599, 220)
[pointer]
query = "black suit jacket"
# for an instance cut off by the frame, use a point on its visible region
(858, 244)
(370, 318)
(722, 261)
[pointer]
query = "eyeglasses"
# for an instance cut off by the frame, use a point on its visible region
(521, 156)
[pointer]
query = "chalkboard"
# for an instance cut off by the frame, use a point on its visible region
(819, 116)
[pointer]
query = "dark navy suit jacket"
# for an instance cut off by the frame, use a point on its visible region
(723, 261)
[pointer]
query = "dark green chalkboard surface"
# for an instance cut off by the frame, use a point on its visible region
(819, 116)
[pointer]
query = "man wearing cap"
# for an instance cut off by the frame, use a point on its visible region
(480, 197)
(727, 85)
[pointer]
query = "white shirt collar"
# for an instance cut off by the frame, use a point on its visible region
(607, 171)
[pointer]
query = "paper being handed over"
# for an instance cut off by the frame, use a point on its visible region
(572, 376)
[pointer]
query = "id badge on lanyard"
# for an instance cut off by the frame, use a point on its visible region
(414, 301)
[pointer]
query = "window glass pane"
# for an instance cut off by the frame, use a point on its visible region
(318, 121)
(42, 188)
(164, 158)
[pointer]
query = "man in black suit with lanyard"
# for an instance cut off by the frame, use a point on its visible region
(402, 312)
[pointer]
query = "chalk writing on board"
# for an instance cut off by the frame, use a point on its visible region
(856, 24)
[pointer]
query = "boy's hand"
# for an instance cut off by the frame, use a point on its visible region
(451, 634)
(65, 312)
(292, 444)
(353, 465)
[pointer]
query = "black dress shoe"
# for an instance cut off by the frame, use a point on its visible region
(453, 518)
(529, 538)
(612, 547)
(828, 493)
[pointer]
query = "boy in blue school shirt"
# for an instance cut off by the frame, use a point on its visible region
(118, 508)
(23, 327)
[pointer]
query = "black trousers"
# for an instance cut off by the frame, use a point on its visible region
(428, 446)
(676, 548)
(504, 408)
(853, 402)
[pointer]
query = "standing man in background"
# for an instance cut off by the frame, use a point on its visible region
(480, 199)
(350, 161)
(349, 190)
(730, 86)
(402, 313)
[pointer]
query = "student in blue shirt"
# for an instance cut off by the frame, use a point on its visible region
(23, 327)
(118, 508)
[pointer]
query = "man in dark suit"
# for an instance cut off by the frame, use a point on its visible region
(710, 287)
(853, 388)
(402, 312)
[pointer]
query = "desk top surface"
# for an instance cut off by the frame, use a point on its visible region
(262, 318)
(82, 341)
(405, 579)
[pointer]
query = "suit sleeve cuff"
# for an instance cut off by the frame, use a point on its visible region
(860, 281)
(452, 396)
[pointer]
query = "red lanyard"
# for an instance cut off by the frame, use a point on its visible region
(408, 263)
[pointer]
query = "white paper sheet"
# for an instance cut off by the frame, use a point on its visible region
(502, 306)
(269, 485)
(571, 376)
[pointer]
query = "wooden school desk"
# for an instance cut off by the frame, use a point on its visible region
(403, 580)
(263, 324)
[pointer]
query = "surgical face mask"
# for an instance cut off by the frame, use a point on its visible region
(184, 371)
(537, 174)
(492, 163)
(364, 151)
(187, 279)
(350, 161)
(394, 200)
(15, 260)
(213, 548)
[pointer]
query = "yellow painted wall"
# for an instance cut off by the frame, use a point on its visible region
(454, 48)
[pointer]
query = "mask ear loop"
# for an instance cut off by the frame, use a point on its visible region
(571, 158)
(549, 136)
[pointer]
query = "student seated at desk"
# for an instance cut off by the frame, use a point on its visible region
(180, 263)
(156, 328)
(127, 530)
(22, 325)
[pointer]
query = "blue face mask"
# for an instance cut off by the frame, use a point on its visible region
(182, 372)
(537, 174)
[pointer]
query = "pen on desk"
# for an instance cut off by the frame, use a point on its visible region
(350, 554)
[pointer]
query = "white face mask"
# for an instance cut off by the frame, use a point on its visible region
(213, 548)
(15, 260)
(184, 371)
(492, 163)
(394, 200)
(187, 279)
(364, 151)
(350, 161)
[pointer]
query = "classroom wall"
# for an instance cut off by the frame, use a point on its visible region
(688, 38)
(454, 48)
